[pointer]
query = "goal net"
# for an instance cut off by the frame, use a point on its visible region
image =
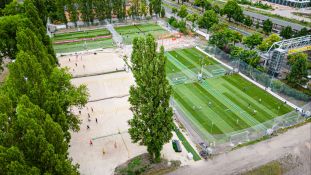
(239, 138)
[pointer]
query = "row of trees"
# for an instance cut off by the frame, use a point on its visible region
(88, 10)
(35, 100)
(233, 11)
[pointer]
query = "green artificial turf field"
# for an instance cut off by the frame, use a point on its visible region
(82, 45)
(218, 104)
(130, 32)
(79, 46)
(81, 34)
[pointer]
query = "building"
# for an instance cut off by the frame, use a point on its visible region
(278, 24)
(292, 3)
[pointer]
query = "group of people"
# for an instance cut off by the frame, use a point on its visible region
(89, 120)
(76, 62)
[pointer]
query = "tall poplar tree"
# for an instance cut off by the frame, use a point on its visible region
(86, 10)
(72, 10)
(100, 10)
(152, 122)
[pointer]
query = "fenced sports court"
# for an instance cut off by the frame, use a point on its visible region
(221, 106)
(102, 38)
(130, 32)
(82, 40)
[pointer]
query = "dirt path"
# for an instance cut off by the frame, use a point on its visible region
(295, 141)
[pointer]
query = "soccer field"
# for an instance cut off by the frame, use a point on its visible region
(220, 103)
(130, 32)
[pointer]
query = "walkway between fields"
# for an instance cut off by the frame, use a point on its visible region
(117, 38)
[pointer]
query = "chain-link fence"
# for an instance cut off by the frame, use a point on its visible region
(84, 45)
(224, 142)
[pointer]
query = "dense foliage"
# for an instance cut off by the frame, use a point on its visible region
(65, 11)
(224, 38)
(299, 71)
(181, 25)
(267, 42)
(35, 99)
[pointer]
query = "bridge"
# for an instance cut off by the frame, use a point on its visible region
(275, 56)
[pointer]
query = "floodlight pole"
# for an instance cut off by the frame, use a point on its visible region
(202, 66)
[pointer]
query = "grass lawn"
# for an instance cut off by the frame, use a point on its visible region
(79, 46)
(81, 34)
(219, 104)
(271, 168)
(187, 145)
(130, 32)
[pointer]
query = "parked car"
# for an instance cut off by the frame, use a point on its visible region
(176, 145)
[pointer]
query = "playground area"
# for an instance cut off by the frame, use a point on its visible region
(215, 100)
(103, 141)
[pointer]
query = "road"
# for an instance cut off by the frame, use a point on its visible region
(294, 141)
(169, 13)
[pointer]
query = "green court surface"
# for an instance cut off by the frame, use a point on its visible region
(81, 34)
(130, 32)
(218, 104)
(83, 45)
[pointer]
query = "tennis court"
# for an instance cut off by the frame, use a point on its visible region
(222, 102)
(82, 40)
(130, 32)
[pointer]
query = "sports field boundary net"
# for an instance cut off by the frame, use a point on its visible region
(97, 73)
(224, 142)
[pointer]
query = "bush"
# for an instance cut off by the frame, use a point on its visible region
(181, 25)
(171, 20)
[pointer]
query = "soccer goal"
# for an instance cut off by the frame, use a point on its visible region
(218, 72)
(179, 80)
(239, 138)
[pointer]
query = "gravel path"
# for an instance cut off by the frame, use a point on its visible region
(295, 141)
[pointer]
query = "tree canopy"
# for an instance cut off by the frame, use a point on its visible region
(253, 40)
(233, 10)
(267, 42)
(183, 12)
(299, 71)
(223, 37)
(208, 19)
(152, 121)
(287, 32)
(35, 100)
(267, 26)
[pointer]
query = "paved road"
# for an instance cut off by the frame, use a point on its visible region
(256, 155)
(169, 14)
